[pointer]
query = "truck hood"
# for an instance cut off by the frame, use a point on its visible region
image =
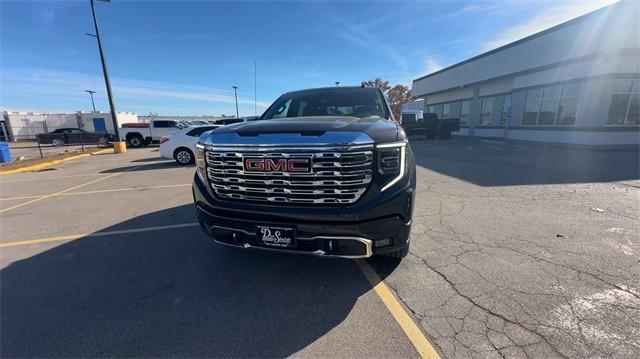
(307, 130)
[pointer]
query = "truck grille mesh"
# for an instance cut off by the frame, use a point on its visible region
(337, 177)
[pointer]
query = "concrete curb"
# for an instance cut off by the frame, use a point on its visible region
(51, 163)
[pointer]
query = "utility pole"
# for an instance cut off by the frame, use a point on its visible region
(119, 145)
(255, 89)
(93, 104)
(235, 92)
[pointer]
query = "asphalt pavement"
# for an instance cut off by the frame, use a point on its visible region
(518, 250)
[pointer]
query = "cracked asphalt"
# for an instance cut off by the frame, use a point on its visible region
(523, 251)
(518, 251)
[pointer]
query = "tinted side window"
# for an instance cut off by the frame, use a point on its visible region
(408, 118)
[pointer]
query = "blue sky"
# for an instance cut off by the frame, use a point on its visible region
(179, 57)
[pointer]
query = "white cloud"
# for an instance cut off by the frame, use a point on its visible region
(553, 14)
(69, 86)
(360, 35)
(431, 65)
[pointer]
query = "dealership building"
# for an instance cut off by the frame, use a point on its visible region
(575, 83)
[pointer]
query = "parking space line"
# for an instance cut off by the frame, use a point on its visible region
(102, 191)
(50, 178)
(64, 191)
(410, 328)
(95, 234)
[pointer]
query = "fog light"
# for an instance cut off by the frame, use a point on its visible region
(382, 242)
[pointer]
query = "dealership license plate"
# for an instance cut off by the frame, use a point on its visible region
(277, 236)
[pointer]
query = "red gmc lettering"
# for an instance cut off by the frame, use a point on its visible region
(254, 164)
(277, 165)
(298, 165)
(270, 165)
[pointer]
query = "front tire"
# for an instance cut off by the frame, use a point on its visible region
(135, 141)
(103, 141)
(183, 156)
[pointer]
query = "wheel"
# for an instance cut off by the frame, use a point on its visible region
(56, 142)
(135, 141)
(398, 253)
(103, 141)
(183, 156)
(147, 141)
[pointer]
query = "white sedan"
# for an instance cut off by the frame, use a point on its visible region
(181, 146)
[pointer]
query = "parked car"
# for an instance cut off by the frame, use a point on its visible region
(74, 136)
(415, 122)
(181, 146)
(152, 132)
(326, 172)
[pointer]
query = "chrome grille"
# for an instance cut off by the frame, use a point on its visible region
(337, 177)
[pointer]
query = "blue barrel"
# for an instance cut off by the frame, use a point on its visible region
(5, 154)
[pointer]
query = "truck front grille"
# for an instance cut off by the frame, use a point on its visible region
(336, 177)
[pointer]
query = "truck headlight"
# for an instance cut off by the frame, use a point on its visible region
(392, 162)
(200, 161)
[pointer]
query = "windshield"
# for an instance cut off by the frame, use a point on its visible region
(352, 102)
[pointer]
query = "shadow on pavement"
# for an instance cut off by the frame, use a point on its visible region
(145, 167)
(492, 163)
(170, 293)
(153, 159)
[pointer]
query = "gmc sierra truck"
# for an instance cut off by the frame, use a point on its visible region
(323, 171)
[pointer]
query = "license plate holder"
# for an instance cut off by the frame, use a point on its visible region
(277, 236)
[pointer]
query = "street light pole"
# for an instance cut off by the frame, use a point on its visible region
(119, 146)
(93, 104)
(235, 92)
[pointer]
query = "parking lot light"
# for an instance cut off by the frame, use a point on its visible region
(235, 92)
(93, 104)
(118, 146)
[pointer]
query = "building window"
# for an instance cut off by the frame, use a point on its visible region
(625, 103)
(437, 109)
(555, 105)
(504, 102)
(487, 111)
(465, 112)
(446, 110)
(568, 105)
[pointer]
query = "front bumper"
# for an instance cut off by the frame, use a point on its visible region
(382, 228)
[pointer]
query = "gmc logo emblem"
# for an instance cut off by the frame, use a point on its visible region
(253, 164)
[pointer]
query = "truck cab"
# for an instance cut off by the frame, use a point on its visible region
(148, 133)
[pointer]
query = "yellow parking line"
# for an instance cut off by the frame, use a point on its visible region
(66, 190)
(38, 178)
(410, 328)
(102, 191)
(95, 234)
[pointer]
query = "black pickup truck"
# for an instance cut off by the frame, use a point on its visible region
(323, 171)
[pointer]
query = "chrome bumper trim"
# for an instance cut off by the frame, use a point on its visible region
(368, 244)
